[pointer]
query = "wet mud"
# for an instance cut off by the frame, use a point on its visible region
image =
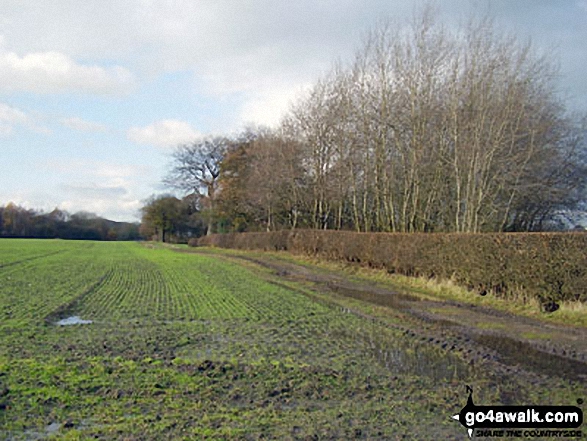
(473, 333)
(515, 352)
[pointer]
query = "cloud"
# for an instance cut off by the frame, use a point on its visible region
(110, 189)
(76, 198)
(55, 72)
(94, 191)
(114, 199)
(82, 125)
(10, 117)
(268, 105)
(103, 171)
(119, 210)
(165, 133)
(236, 47)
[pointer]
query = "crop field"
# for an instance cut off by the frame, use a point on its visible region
(196, 346)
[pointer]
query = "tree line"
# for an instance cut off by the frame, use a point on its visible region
(425, 130)
(21, 222)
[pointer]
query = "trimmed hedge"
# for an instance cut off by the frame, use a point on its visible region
(549, 266)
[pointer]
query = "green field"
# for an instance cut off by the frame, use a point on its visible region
(196, 346)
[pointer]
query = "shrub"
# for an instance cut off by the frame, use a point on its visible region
(193, 242)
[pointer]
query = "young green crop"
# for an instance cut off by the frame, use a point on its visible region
(14, 251)
(185, 346)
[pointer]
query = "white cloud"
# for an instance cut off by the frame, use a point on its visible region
(55, 72)
(119, 210)
(233, 48)
(108, 170)
(267, 106)
(82, 125)
(95, 191)
(10, 117)
(93, 169)
(114, 198)
(110, 189)
(165, 133)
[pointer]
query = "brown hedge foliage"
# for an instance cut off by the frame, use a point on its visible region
(193, 242)
(549, 266)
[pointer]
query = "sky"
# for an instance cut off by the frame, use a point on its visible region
(95, 95)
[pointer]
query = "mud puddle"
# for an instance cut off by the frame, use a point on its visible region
(417, 360)
(50, 431)
(400, 355)
(515, 352)
(394, 300)
(73, 320)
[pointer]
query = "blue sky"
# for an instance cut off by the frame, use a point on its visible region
(95, 95)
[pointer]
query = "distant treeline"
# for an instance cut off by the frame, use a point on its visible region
(17, 221)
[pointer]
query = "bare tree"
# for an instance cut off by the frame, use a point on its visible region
(195, 169)
(425, 130)
(429, 130)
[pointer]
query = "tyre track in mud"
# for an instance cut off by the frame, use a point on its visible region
(69, 308)
(563, 354)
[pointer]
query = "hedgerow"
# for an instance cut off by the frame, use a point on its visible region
(548, 266)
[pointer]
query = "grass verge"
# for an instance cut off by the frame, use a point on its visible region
(569, 313)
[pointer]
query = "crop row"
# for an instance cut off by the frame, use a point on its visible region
(140, 287)
(165, 285)
(33, 289)
(109, 283)
(16, 251)
(232, 291)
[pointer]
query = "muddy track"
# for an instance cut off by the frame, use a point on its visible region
(511, 343)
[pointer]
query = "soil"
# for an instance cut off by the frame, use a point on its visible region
(511, 343)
